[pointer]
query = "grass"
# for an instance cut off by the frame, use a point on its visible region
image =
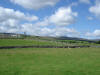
(27, 42)
(50, 61)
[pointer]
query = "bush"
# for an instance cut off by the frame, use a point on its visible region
(98, 42)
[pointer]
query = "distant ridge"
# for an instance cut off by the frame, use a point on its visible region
(52, 38)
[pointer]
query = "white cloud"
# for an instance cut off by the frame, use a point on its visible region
(96, 33)
(35, 4)
(96, 9)
(10, 19)
(63, 31)
(85, 1)
(46, 31)
(63, 16)
(60, 19)
(90, 18)
(44, 22)
(59, 31)
(6, 13)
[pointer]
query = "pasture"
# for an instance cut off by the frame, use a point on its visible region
(50, 61)
(39, 42)
(28, 42)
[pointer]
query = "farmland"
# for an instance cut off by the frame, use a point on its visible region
(26, 42)
(47, 61)
(39, 42)
(49, 37)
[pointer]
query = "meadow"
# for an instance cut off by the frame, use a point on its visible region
(39, 42)
(27, 42)
(50, 61)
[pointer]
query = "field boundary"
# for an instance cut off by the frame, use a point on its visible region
(10, 47)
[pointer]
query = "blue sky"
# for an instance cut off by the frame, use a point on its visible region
(73, 18)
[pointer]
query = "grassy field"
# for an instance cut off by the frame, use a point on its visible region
(50, 61)
(27, 42)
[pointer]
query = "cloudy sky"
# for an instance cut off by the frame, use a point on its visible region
(73, 18)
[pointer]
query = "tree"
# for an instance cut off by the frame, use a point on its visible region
(98, 42)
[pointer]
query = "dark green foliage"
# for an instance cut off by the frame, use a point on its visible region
(98, 42)
(73, 41)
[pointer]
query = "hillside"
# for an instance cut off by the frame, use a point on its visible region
(11, 39)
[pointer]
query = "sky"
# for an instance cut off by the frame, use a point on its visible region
(70, 18)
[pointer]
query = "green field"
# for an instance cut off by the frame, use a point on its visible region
(50, 61)
(28, 42)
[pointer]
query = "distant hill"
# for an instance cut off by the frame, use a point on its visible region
(14, 35)
(10, 35)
